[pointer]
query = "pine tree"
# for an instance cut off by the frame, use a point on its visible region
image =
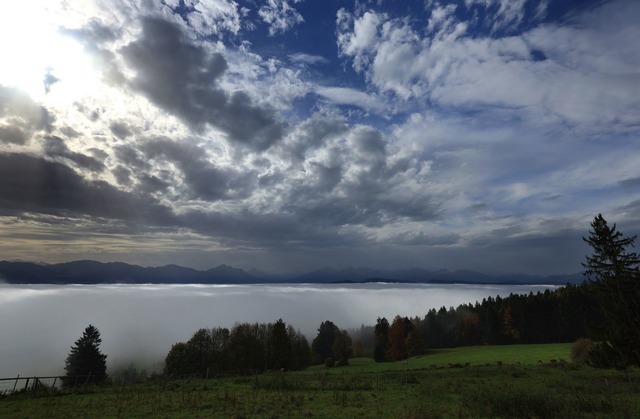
(280, 346)
(321, 346)
(610, 258)
(381, 340)
(85, 363)
(615, 283)
(342, 348)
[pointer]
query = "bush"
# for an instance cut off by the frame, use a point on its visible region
(581, 350)
(603, 355)
(329, 362)
(342, 362)
(597, 354)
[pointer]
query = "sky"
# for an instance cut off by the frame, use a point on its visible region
(291, 135)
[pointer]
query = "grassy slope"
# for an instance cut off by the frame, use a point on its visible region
(508, 354)
(475, 356)
(370, 390)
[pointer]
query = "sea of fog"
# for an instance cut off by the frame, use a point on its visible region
(139, 323)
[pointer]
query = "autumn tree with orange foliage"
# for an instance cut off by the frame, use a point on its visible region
(404, 340)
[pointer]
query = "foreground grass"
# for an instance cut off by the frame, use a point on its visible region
(367, 390)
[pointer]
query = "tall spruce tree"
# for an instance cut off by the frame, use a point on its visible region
(85, 363)
(280, 346)
(322, 344)
(381, 340)
(615, 283)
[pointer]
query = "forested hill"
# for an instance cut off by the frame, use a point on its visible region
(92, 272)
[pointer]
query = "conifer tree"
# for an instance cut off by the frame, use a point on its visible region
(280, 346)
(381, 340)
(615, 283)
(321, 346)
(342, 348)
(85, 363)
(610, 258)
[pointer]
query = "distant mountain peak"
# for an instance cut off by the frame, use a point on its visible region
(93, 272)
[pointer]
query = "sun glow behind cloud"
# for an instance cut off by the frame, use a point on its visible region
(48, 66)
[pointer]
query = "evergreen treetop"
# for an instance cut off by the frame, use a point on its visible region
(610, 257)
(615, 286)
(85, 362)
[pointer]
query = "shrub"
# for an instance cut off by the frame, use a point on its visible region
(603, 355)
(329, 362)
(581, 350)
(342, 362)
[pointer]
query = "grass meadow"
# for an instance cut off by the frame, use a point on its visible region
(490, 381)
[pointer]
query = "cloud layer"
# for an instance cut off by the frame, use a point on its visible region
(482, 134)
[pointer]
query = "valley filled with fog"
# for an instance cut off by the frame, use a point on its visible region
(139, 323)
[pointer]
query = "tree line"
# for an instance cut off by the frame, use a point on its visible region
(543, 317)
(244, 349)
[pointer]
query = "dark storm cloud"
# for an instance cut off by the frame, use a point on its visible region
(337, 211)
(422, 239)
(182, 78)
(55, 147)
(33, 185)
(328, 176)
(380, 186)
(152, 184)
(353, 180)
(120, 130)
(136, 166)
(11, 134)
(122, 175)
(20, 116)
(204, 179)
(367, 205)
(147, 184)
(98, 153)
(129, 156)
(272, 230)
(271, 180)
(371, 204)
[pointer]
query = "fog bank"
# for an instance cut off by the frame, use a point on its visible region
(139, 323)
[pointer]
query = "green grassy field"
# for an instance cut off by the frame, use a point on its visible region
(474, 356)
(424, 387)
